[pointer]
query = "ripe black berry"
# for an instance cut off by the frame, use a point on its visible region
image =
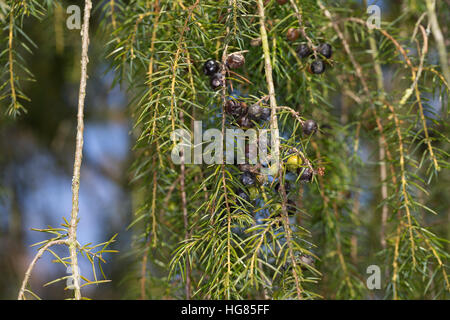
(235, 60)
(306, 175)
(325, 50)
(265, 114)
(235, 108)
(309, 127)
(317, 67)
(292, 34)
(211, 67)
(245, 122)
(248, 178)
(255, 111)
(303, 51)
(217, 81)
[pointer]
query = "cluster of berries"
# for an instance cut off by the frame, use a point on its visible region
(318, 66)
(213, 69)
(245, 117)
(243, 114)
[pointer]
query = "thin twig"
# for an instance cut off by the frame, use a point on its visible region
(301, 26)
(11, 58)
(72, 241)
(222, 166)
(33, 263)
(185, 217)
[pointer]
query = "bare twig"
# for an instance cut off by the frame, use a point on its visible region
(419, 99)
(294, 113)
(11, 59)
(72, 241)
(301, 25)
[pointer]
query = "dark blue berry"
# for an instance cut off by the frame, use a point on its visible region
(317, 67)
(309, 127)
(217, 81)
(255, 111)
(265, 114)
(211, 67)
(303, 51)
(248, 178)
(325, 50)
(235, 108)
